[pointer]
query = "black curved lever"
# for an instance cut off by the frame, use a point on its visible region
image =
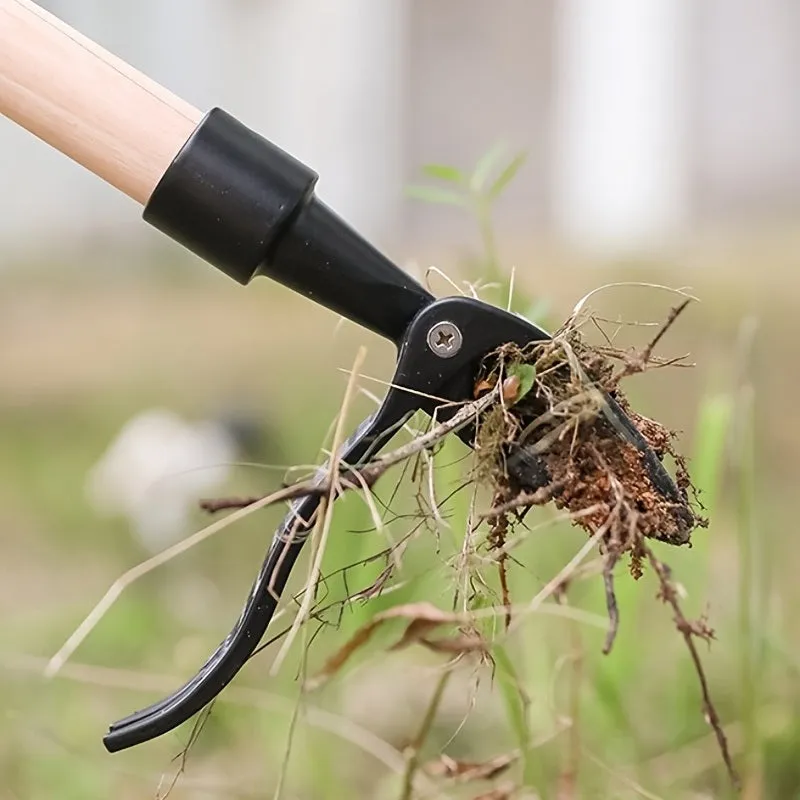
(421, 375)
(263, 599)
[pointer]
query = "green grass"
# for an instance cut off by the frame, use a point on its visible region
(640, 716)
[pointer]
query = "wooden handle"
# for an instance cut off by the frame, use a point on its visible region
(87, 103)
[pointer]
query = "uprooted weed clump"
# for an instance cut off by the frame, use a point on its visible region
(562, 430)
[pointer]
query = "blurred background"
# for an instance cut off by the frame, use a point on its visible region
(661, 143)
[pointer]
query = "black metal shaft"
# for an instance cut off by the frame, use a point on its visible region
(248, 208)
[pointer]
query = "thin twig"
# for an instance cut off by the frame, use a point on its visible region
(372, 471)
(537, 498)
(325, 514)
(183, 756)
(226, 503)
(640, 362)
(553, 584)
(671, 317)
(609, 562)
(576, 311)
(670, 595)
(290, 733)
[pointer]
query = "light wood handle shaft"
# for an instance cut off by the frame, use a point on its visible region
(87, 103)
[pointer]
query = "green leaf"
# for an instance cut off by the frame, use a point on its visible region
(506, 176)
(444, 173)
(515, 702)
(485, 166)
(433, 194)
(513, 696)
(715, 420)
(527, 376)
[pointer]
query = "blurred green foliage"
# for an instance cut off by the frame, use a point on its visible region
(110, 351)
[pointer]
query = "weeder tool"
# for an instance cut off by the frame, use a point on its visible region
(248, 208)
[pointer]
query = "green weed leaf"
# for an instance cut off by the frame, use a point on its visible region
(715, 420)
(527, 376)
(444, 173)
(433, 194)
(506, 176)
(486, 163)
(515, 703)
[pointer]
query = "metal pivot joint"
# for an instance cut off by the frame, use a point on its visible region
(445, 339)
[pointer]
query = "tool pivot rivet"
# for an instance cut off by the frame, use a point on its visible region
(445, 339)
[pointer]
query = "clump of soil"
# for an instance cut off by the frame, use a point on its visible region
(563, 431)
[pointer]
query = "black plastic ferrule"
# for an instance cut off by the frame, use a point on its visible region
(247, 207)
(227, 195)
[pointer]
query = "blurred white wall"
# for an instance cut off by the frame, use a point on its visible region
(620, 161)
(746, 108)
(642, 118)
(323, 80)
(51, 203)
(480, 74)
